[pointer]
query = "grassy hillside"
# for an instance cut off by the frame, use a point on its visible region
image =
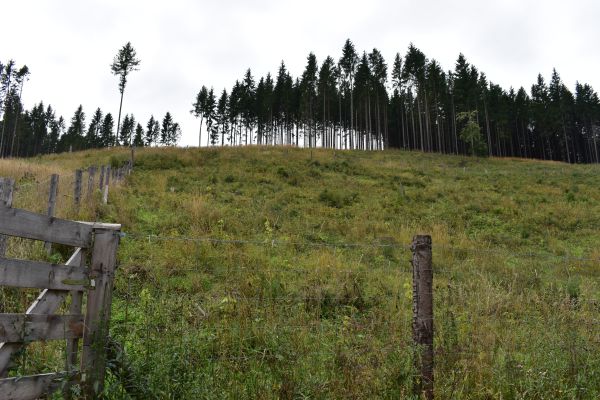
(279, 305)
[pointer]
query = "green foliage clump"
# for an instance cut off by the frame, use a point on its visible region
(471, 133)
(229, 179)
(337, 199)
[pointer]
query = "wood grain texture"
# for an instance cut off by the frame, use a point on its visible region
(46, 303)
(19, 328)
(29, 225)
(41, 275)
(97, 317)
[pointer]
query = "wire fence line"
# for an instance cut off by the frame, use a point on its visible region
(268, 242)
(282, 302)
(36, 183)
(297, 298)
(275, 242)
(339, 245)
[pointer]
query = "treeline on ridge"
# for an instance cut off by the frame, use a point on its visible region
(353, 104)
(356, 102)
(26, 133)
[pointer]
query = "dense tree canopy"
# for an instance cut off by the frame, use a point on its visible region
(357, 102)
(353, 104)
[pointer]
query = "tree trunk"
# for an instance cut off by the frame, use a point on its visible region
(200, 132)
(420, 125)
(4, 116)
(16, 121)
(119, 119)
(487, 128)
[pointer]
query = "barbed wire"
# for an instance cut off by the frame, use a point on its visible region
(339, 300)
(274, 242)
(515, 254)
(266, 242)
(19, 186)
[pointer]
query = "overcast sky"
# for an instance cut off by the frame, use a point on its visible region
(184, 44)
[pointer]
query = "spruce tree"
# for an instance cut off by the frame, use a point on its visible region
(138, 139)
(57, 129)
(209, 115)
(127, 130)
(348, 63)
(308, 87)
(222, 115)
(74, 138)
(107, 135)
(152, 132)
(93, 133)
(198, 110)
(7, 93)
(248, 101)
(165, 131)
(20, 78)
(379, 73)
(124, 62)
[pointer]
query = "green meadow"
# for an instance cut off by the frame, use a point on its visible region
(284, 273)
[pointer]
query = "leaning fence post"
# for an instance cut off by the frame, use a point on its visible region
(102, 269)
(101, 186)
(423, 315)
(105, 194)
(91, 176)
(51, 205)
(6, 197)
(77, 189)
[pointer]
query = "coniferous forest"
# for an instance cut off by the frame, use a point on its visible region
(358, 101)
(27, 133)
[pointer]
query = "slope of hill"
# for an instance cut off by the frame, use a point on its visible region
(304, 288)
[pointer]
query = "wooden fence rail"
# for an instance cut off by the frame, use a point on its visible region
(72, 280)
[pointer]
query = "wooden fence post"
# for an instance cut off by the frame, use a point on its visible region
(131, 160)
(423, 315)
(75, 309)
(107, 175)
(102, 269)
(105, 194)
(52, 205)
(101, 186)
(77, 188)
(91, 177)
(6, 197)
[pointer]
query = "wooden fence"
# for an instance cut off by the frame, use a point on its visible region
(78, 281)
(106, 173)
(87, 276)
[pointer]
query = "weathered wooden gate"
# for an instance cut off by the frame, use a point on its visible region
(94, 241)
